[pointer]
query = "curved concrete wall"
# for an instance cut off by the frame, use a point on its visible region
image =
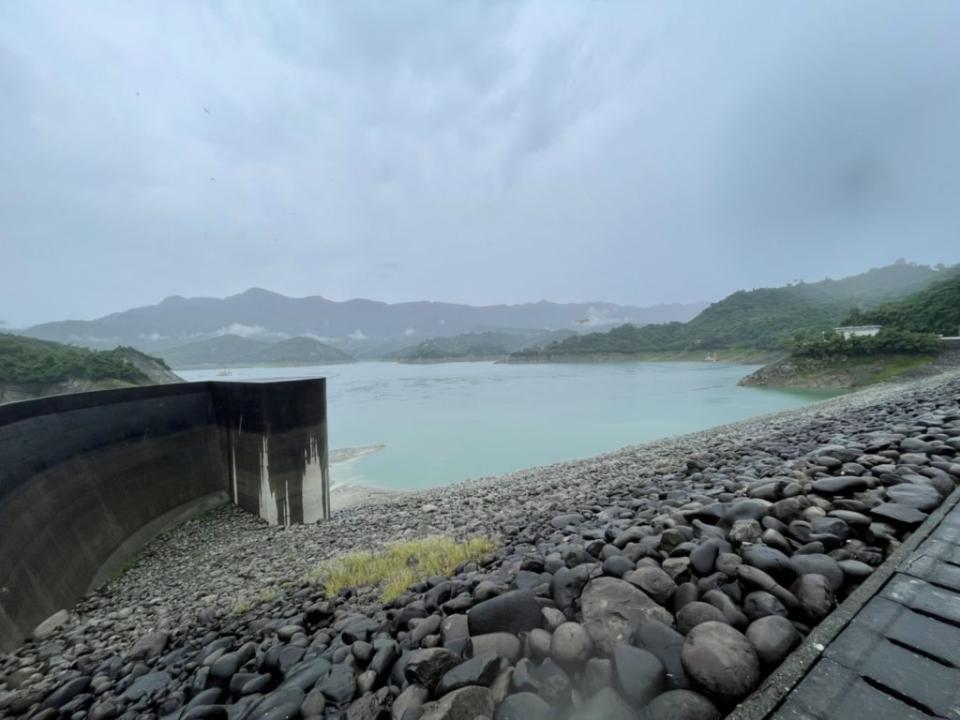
(86, 479)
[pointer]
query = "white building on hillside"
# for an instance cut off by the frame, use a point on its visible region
(849, 331)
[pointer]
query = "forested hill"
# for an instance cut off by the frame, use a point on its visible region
(766, 318)
(935, 309)
(480, 345)
(31, 368)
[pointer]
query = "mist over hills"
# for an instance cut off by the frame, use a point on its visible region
(764, 318)
(359, 327)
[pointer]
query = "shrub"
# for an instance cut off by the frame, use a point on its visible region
(889, 341)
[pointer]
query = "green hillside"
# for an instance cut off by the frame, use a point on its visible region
(27, 360)
(221, 350)
(493, 344)
(236, 351)
(300, 351)
(765, 319)
(935, 309)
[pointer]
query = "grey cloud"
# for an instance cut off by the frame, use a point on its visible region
(470, 151)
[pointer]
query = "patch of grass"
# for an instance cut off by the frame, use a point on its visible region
(898, 365)
(241, 607)
(399, 565)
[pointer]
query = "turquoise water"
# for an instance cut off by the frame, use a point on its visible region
(447, 422)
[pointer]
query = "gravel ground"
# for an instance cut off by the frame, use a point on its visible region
(227, 574)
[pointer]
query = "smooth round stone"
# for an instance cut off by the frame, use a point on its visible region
(680, 705)
(721, 660)
(695, 613)
(524, 706)
(703, 557)
(760, 603)
(666, 643)
(818, 564)
(617, 566)
(815, 595)
(571, 644)
(855, 570)
(538, 643)
(638, 674)
(772, 637)
(770, 560)
(654, 582)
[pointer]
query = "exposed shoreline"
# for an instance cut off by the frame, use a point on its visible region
(227, 566)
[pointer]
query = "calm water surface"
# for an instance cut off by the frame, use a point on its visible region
(447, 422)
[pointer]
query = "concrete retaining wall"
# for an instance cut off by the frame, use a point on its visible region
(86, 479)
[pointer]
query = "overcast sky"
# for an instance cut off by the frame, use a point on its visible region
(482, 152)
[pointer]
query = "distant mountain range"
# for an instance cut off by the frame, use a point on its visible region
(769, 318)
(362, 328)
(236, 351)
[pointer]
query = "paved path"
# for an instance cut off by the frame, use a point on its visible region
(899, 656)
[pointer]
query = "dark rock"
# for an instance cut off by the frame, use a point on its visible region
(815, 595)
(721, 660)
(340, 684)
(149, 646)
(613, 609)
(427, 667)
(703, 557)
(638, 674)
(567, 584)
(770, 560)
(760, 603)
(524, 706)
(773, 637)
(666, 644)
(681, 705)
(900, 514)
(412, 698)
(145, 684)
(617, 566)
(66, 692)
(561, 521)
(513, 612)
(818, 564)
(464, 704)
(695, 613)
(480, 670)
(502, 645)
(844, 485)
(571, 644)
(654, 582)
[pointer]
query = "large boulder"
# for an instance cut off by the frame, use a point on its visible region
(524, 706)
(681, 705)
(571, 644)
(772, 637)
(721, 660)
(613, 609)
(513, 612)
(463, 704)
(639, 675)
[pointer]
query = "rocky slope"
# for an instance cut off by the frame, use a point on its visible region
(665, 579)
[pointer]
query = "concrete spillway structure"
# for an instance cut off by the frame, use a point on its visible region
(87, 479)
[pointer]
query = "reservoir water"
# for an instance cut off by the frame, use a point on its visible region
(442, 423)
